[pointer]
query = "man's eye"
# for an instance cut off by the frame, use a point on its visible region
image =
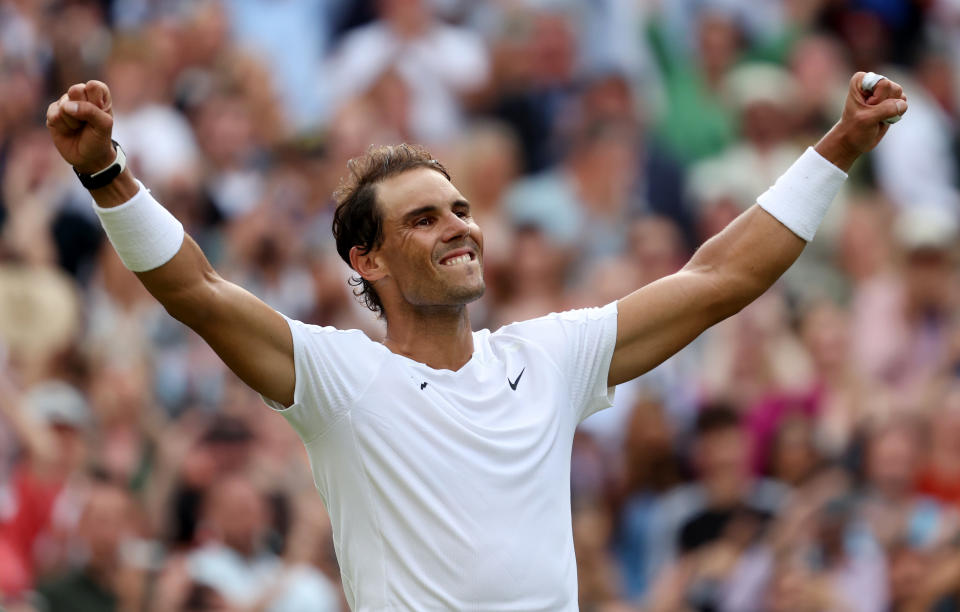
(423, 221)
(463, 214)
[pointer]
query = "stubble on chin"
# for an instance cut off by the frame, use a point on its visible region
(460, 293)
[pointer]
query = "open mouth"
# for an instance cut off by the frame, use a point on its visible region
(458, 259)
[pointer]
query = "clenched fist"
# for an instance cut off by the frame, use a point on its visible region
(80, 123)
(866, 112)
(864, 120)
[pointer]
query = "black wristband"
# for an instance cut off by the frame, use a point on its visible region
(104, 177)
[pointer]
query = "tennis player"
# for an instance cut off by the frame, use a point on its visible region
(443, 454)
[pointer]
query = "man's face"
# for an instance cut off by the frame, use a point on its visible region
(722, 454)
(240, 514)
(432, 252)
(107, 520)
(892, 462)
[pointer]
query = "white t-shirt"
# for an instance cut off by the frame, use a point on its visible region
(243, 581)
(451, 490)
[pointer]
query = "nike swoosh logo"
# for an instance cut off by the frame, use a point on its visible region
(513, 385)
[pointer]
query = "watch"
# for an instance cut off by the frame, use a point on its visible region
(104, 177)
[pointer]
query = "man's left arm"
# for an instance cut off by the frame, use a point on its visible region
(737, 265)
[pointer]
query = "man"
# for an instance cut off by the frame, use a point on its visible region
(696, 515)
(443, 454)
(105, 580)
(51, 422)
(235, 561)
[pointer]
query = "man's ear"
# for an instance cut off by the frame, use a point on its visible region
(368, 265)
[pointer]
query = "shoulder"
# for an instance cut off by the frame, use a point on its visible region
(557, 330)
(560, 319)
(329, 333)
(332, 344)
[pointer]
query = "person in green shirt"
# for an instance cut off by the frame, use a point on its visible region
(103, 582)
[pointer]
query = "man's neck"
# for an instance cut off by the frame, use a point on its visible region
(440, 337)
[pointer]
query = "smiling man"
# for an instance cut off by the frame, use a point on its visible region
(443, 454)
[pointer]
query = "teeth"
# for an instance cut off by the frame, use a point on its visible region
(457, 260)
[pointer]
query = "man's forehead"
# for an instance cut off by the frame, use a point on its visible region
(415, 189)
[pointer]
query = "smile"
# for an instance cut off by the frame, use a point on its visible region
(459, 259)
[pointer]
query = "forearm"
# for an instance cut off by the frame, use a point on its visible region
(746, 258)
(750, 254)
(252, 339)
(174, 270)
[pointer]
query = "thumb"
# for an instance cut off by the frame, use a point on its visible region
(98, 93)
(91, 114)
(890, 109)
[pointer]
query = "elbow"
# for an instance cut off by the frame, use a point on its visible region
(194, 305)
(731, 293)
(182, 311)
(731, 306)
(738, 296)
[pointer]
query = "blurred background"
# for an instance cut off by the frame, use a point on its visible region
(802, 456)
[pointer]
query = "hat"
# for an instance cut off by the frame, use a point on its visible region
(39, 310)
(759, 83)
(926, 227)
(719, 179)
(57, 403)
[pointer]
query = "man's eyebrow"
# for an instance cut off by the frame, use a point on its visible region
(432, 208)
(416, 212)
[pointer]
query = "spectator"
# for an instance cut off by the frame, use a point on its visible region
(271, 30)
(586, 203)
(696, 124)
(104, 580)
(438, 62)
(235, 563)
(52, 421)
(725, 493)
(913, 352)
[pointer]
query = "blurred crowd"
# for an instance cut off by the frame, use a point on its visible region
(802, 456)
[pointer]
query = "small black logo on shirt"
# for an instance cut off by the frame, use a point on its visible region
(423, 385)
(513, 385)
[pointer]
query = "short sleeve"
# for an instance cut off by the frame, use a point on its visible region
(581, 342)
(332, 368)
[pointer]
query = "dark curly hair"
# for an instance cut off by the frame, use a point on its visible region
(358, 221)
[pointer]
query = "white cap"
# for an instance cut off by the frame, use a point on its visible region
(759, 83)
(57, 403)
(926, 227)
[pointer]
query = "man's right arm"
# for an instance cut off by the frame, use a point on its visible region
(251, 338)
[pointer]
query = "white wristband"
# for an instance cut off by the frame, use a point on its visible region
(801, 196)
(143, 232)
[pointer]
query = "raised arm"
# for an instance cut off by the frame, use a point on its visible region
(737, 265)
(251, 338)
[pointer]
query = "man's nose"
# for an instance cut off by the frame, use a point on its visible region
(455, 227)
